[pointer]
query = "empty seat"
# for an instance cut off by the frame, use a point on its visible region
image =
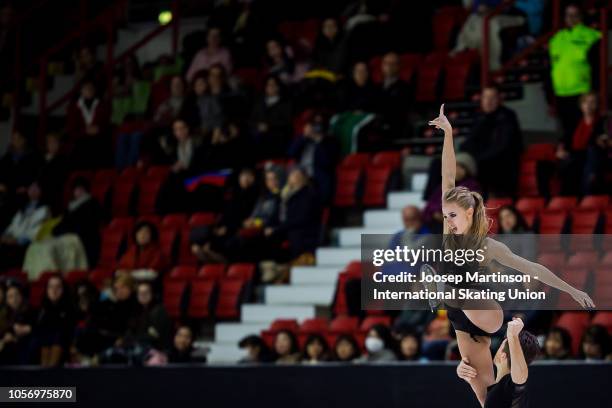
(584, 221)
(575, 323)
(427, 82)
(202, 219)
(214, 272)
(102, 183)
(148, 190)
(112, 239)
(530, 204)
(158, 172)
(184, 272)
(167, 240)
(356, 160)
(284, 324)
(391, 159)
(528, 180)
(123, 189)
(540, 151)
(497, 203)
(587, 259)
(228, 303)
(76, 276)
(455, 80)
(243, 271)
(347, 180)
(554, 261)
(177, 221)
(314, 325)
(575, 276)
(562, 203)
(173, 292)
(376, 185)
(200, 299)
(552, 221)
(595, 202)
(603, 318)
(100, 276)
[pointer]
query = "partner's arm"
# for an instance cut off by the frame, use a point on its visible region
(468, 373)
(502, 254)
(518, 365)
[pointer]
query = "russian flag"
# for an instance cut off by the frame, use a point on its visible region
(212, 178)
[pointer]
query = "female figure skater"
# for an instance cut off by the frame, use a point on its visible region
(465, 220)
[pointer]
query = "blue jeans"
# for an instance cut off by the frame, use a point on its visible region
(128, 149)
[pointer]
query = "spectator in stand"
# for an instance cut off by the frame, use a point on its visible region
(87, 66)
(558, 344)
(216, 244)
(226, 148)
(7, 206)
(359, 93)
(511, 221)
(380, 345)
(55, 325)
(253, 246)
(595, 344)
(23, 229)
(316, 350)
(410, 346)
(271, 120)
(470, 36)
(255, 350)
(299, 216)
(573, 56)
(87, 126)
(496, 145)
(144, 259)
(88, 340)
(330, 47)
(346, 349)
(466, 171)
(115, 312)
(394, 96)
(181, 351)
(20, 165)
(317, 153)
(413, 230)
(149, 326)
(16, 334)
(214, 53)
(572, 151)
(170, 109)
(54, 171)
(286, 348)
(280, 61)
(131, 92)
(75, 240)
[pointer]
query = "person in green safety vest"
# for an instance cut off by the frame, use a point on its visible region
(571, 53)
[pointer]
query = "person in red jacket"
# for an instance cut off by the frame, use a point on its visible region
(145, 254)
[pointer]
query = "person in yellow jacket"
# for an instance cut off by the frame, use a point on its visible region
(571, 67)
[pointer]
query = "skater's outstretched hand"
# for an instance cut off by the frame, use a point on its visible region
(441, 122)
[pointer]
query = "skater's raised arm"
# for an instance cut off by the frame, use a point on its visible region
(448, 151)
(502, 254)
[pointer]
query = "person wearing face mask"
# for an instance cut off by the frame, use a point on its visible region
(380, 345)
(271, 120)
(254, 350)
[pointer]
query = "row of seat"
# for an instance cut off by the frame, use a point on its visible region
(129, 191)
(366, 179)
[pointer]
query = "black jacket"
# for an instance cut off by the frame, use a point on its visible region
(300, 221)
(85, 222)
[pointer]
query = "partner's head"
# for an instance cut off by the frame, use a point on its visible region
(464, 212)
(529, 346)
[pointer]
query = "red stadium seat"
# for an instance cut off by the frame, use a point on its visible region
(314, 325)
(126, 224)
(575, 323)
(167, 239)
(446, 20)
(202, 218)
(158, 172)
(148, 190)
(173, 292)
(530, 204)
(123, 189)
(250, 76)
(214, 272)
(344, 324)
(340, 306)
(540, 151)
(528, 181)
(555, 261)
(497, 203)
(586, 259)
(584, 221)
(576, 276)
(603, 275)
(409, 63)
(356, 160)
(76, 276)
(177, 221)
(151, 219)
(603, 318)
(243, 271)
(370, 321)
(595, 202)
(160, 91)
(37, 293)
(427, 82)
(455, 80)
(200, 299)
(391, 159)
(607, 259)
(102, 183)
(183, 273)
(552, 221)
(228, 304)
(347, 179)
(562, 203)
(353, 269)
(284, 324)
(376, 184)
(112, 238)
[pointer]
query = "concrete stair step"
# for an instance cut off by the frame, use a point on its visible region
(266, 313)
(332, 256)
(233, 332)
(314, 274)
(300, 294)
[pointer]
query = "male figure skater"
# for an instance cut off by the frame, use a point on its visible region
(510, 390)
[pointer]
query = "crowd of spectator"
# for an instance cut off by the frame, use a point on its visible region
(210, 121)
